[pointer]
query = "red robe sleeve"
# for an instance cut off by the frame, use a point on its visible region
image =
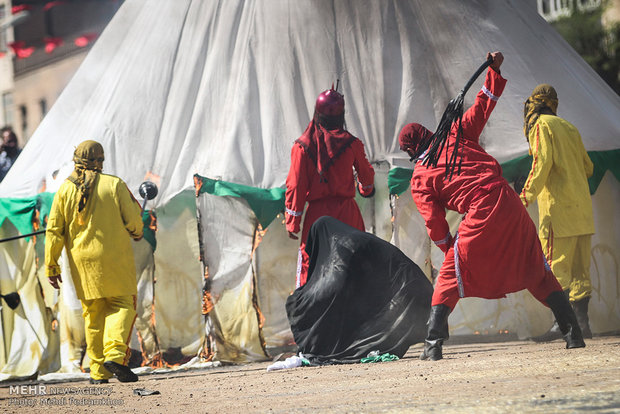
(476, 117)
(434, 216)
(297, 183)
(365, 172)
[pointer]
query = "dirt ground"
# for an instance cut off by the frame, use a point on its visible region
(498, 377)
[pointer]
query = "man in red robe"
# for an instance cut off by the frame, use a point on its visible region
(496, 249)
(321, 174)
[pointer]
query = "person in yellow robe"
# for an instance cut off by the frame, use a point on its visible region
(94, 216)
(558, 180)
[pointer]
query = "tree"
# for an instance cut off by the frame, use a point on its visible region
(597, 45)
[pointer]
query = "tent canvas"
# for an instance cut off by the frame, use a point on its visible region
(222, 88)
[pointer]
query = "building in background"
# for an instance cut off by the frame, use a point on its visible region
(42, 43)
(6, 64)
(552, 10)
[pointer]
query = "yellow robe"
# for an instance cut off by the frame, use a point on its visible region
(558, 179)
(100, 253)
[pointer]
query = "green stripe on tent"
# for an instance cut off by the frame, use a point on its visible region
(20, 211)
(149, 233)
(399, 178)
(516, 168)
(266, 203)
(603, 161)
(45, 200)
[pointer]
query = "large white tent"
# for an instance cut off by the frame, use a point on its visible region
(222, 88)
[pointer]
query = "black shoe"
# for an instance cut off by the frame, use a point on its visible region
(432, 351)
(122, 372)
(99, 381)
(573, 338)
(437, 333)
(566, 319)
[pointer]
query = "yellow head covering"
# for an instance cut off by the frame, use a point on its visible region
(543, 96)
(88, 158)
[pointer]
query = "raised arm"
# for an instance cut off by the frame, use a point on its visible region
(476, 117)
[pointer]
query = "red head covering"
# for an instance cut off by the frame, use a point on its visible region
(330, 103)
(411, 135)
(325, 139)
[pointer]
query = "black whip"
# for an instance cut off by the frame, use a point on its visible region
(430, 149)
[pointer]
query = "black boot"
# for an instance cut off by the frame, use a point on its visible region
(566, 319)
(437, 333)
(581, 311)
(122, 372)
(554, 332)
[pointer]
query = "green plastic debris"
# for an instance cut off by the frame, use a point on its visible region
(374, 357)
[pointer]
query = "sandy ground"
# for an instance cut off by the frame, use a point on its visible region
(495, 377)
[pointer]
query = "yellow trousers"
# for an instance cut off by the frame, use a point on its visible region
(108, 323)
(569, 258)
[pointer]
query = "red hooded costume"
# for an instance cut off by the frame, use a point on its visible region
(496, 246)
(321, 174)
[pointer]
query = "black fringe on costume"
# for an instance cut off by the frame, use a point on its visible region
(431, 148)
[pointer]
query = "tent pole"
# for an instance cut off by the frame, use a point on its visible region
(21, 236)
(3, 335)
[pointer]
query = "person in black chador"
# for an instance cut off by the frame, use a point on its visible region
(362, 295)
